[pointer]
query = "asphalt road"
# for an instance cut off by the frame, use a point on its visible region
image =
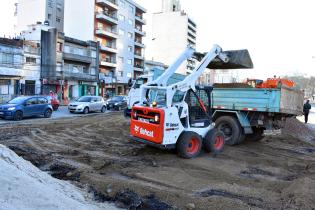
(62, 112)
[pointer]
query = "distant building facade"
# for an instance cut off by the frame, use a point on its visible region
(173, 31)
(69, 67)
(19, 68)
(50, 12)
(118, 26)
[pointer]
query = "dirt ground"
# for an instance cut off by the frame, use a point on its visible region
(96, 153)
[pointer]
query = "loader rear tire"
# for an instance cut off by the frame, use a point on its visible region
(189, 145)
(214, 141)
(231, 129)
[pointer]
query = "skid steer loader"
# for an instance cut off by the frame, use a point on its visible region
(179, 115)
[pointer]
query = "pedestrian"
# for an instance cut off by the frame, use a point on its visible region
(306, 110)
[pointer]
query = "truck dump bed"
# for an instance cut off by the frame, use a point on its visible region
(281, 100)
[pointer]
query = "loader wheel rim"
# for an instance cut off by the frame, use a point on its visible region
(193, 146)
(218, 142)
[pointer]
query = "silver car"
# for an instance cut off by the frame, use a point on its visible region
(87, 104)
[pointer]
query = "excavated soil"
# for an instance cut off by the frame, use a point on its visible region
(95, 152)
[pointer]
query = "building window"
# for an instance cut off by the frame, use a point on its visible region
(131, 10)
(121, 18)
(129, 48)
(85, 70)
(4, 87)
(59, 47)
(49, 16)
(51, 3)
(120, 73)
(120, 59)
(59, 7)
(130, 22)
(121, 32)
(6, 58)
(93, 54)
(30, 60)
(130, 61)
(58, 19)
(122, 3)
(93, 72)
(130, 35)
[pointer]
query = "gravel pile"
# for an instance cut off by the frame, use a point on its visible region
(299, 130)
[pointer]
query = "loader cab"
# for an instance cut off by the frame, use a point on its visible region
(199, 107)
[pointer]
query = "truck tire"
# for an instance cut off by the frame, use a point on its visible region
(189, 145)
(231, 129)
(214, 141)
(257, 135)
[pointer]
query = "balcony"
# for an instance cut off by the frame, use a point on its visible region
(110, 3)
(190, 39)
(139, 56)
(140, 19)
(139, 31)
(77, 58)
(107, 32)
(139, 44)
(139, 68)
(108, 62)
(109, 48)
(111, 18)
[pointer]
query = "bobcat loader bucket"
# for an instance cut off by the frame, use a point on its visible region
(238, 59)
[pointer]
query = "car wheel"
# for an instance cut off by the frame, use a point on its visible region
(47, 113)
(189, 145)
(103, 109)
(72, 112)
(18, 116)
(86, 110)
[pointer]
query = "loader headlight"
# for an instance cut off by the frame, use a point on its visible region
(135, 114)
(156, 118)
(154, 104)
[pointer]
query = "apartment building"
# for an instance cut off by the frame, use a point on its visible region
(19, 68)
(173, 30)
(68, 67)
(118, 26)
(50, 12)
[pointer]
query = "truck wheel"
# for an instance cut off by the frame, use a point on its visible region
(189, 145)
(214, 141)
(257, 135)
(231, 129)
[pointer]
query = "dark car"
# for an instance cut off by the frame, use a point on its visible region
(117, 103)
(29, 106)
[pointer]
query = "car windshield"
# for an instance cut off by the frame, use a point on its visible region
(84, 99)
(117, 98)
(17, 100)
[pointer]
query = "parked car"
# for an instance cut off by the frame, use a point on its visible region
(26, 106)
(54, 102)
(117, 103)
(87, 104)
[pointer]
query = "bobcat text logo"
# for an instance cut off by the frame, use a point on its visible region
(144, 131)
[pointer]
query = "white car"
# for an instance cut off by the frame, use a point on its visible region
(87, 104)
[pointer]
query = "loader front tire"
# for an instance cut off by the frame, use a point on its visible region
(189, 145)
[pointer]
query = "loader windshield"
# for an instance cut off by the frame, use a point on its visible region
(158, 96)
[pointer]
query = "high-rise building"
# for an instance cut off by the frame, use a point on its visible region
(50, 12)
(172, 32)
(118, 26)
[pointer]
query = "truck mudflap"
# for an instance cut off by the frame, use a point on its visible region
(147, 124)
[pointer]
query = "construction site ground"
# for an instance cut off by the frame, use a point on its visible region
(96, 153)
